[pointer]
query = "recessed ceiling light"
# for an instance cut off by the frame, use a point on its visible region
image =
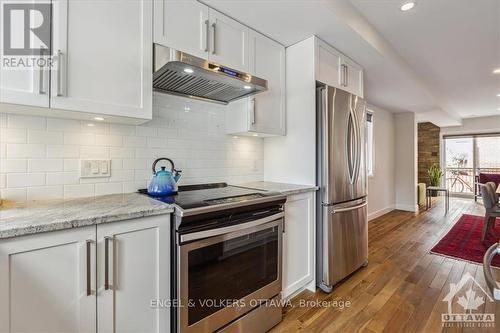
(188, 70)
(247, 87)
(407, 6)
(90, 125)
(99, 118)
(235, 137)
(498, 95)
(255, 134)
(496, 71)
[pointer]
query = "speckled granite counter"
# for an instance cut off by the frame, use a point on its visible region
(284, 188)
(40, 216)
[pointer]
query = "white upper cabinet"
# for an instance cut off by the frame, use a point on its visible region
(267, 60)
(228, 41)
(183, 25)
(103, 57)
(353, 77)
(25, 85)
(328, 64)
(337, 70)
(194, 28)
(47, 282)
(264, 113)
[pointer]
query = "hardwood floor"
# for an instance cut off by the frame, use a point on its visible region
(403, 287)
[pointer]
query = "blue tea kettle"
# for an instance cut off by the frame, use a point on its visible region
(164, 182)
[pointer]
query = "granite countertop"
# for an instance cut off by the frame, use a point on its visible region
(18, 219)
(284, 188)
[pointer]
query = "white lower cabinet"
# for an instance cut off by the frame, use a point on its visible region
(298, 243)
(44, 280)
(58, 281)
(137, 262)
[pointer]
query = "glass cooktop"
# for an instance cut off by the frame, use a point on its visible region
(204, 195)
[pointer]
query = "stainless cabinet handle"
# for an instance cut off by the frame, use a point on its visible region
(346, 75)
(107, 285)
(89, 268)
(252, 111)
(60, 93)
(207, 28)
(213, 38)
(41, 77)
(340, 210)
(342, 74)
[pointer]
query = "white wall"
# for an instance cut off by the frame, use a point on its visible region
(381, 187)
(406, 161)
(474, 126)
(292, 158)
(39, 156)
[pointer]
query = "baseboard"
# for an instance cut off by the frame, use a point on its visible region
(380, 212)
(408, 208)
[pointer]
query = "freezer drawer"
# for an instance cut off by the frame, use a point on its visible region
(345, 241)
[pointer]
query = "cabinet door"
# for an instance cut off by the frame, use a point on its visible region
(103, 53)
(44, 282)
(354, 77)
(298, 244)
(131, 273)
(19, 84)
(182, 25)
(267, 60)
(228, 41)
(328, 62)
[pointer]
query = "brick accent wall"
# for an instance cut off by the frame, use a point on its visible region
(428, 149)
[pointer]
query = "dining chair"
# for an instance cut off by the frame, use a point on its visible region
(491, 206)
(493, 189)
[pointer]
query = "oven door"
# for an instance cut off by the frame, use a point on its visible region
(225, 276)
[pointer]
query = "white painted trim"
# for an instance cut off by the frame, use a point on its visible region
(409, 208)
(380, 212)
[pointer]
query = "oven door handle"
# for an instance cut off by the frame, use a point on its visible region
(225, 230)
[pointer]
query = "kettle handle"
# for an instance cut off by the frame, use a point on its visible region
(160, 159)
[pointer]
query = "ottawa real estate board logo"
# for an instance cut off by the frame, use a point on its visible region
(26, 34)
(466, 306)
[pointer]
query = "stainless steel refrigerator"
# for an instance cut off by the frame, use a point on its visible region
(342, 230)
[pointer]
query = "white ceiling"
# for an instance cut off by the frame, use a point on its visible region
(435, 60)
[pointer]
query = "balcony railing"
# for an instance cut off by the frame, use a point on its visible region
(462, 180)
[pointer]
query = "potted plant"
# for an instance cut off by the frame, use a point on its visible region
(435, 174)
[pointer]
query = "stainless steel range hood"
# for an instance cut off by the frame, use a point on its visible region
(179, 73)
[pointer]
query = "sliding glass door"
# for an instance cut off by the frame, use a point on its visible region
(467, 156)
(459, 167)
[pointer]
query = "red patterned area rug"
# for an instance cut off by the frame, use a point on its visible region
(463, 241)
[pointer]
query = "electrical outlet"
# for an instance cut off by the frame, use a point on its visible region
(95, 168)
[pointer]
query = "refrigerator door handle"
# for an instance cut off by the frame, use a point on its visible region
(347, 209)
(325, 144)
(357, 141)
(351, 144)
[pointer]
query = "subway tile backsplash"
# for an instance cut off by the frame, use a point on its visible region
(39, 156)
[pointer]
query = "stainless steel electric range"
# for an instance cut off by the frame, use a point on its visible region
(226, 258)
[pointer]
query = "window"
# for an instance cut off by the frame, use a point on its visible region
(370, 147)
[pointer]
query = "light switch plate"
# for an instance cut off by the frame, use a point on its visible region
(95, 168)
